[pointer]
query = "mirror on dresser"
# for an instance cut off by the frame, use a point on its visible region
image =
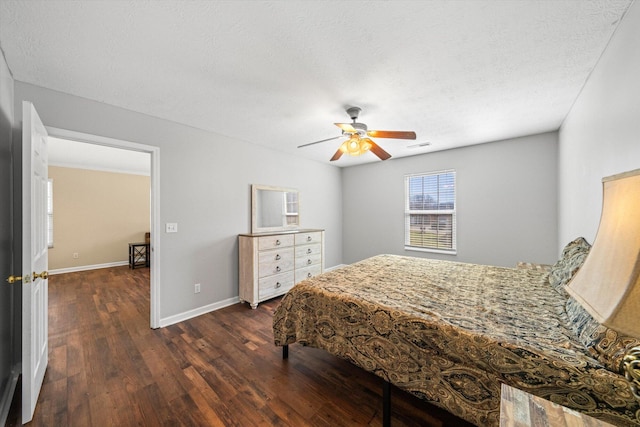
(274, 208)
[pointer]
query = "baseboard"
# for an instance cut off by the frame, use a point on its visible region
(334, 267)
(7, 396)
(87, 267)
(197, 312)
(181, 317)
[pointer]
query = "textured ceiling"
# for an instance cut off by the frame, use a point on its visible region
(74, 154)
(280, 73)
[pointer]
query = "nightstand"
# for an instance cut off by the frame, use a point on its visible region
(521, 409)
(139, 255)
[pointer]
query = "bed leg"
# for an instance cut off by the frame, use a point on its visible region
(386, 404)
(285, 351)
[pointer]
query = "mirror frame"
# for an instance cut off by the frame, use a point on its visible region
(254, 209)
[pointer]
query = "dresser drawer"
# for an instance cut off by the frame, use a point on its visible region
(275, 241)
(306, 250)
(275, 285)
(308, 261)
(304, 238)
(307, 272)
(269, 268)
(282, 256)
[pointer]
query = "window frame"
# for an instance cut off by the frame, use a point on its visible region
(453, 250)
(291, 217)
(50, 213)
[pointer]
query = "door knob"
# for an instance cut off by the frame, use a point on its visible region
(12, 279)
(44, 275)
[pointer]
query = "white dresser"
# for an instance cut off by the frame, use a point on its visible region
(271, 263)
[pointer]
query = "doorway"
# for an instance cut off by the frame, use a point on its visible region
(154, 157)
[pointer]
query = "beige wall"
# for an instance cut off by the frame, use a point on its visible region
(96, 214)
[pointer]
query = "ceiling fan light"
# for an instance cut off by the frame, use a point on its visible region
(353, 145)
(344, 147)
(358, 148)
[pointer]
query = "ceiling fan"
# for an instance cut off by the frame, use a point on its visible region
(359, 141)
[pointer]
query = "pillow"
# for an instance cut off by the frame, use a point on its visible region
(573, 256)
(604, 344)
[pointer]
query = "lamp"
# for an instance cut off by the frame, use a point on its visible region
(608, 283)
(355, 146)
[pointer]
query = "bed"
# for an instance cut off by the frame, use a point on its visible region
(451, 333)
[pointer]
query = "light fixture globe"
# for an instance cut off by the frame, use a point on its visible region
(353, 145)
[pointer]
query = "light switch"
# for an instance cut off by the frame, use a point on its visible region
(172, 227)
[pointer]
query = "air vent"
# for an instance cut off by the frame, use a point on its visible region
(422, 144)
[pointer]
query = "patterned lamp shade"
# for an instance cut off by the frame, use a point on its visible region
(608, 283)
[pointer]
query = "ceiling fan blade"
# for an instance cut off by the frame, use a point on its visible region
(346, 127)
(336, 156)
(395, 134)
(318, 142)
(377, 150)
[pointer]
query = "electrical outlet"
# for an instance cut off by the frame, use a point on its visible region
(196, 288)
(75, 255)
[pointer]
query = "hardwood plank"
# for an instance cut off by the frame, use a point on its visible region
(101, 410)
(78, 402)
(107, 367)
(206, 413)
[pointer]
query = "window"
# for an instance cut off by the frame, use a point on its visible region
(291, 207)
(430, 212)
(50, 213)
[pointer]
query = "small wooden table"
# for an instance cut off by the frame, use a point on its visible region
(521, 409)
(139, 255)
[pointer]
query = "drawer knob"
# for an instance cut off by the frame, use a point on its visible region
(278, 242)
(309, 262)
(309, 250)
(278, 284)
(277, 268)
(277, 257)
(309, 276)
(309, 238)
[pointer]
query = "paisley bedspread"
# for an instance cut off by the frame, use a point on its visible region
(451, 333)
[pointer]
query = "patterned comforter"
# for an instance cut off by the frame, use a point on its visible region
(451, 333)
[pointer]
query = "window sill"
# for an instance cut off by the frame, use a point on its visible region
(434, 251)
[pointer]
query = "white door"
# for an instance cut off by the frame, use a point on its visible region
(35, 294)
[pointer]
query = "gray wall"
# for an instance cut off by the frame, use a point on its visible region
(506, 202)
(206, 188)
(601, 134)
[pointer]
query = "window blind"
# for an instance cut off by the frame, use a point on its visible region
(430, 211)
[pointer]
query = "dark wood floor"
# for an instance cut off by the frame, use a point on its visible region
(107, 367)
